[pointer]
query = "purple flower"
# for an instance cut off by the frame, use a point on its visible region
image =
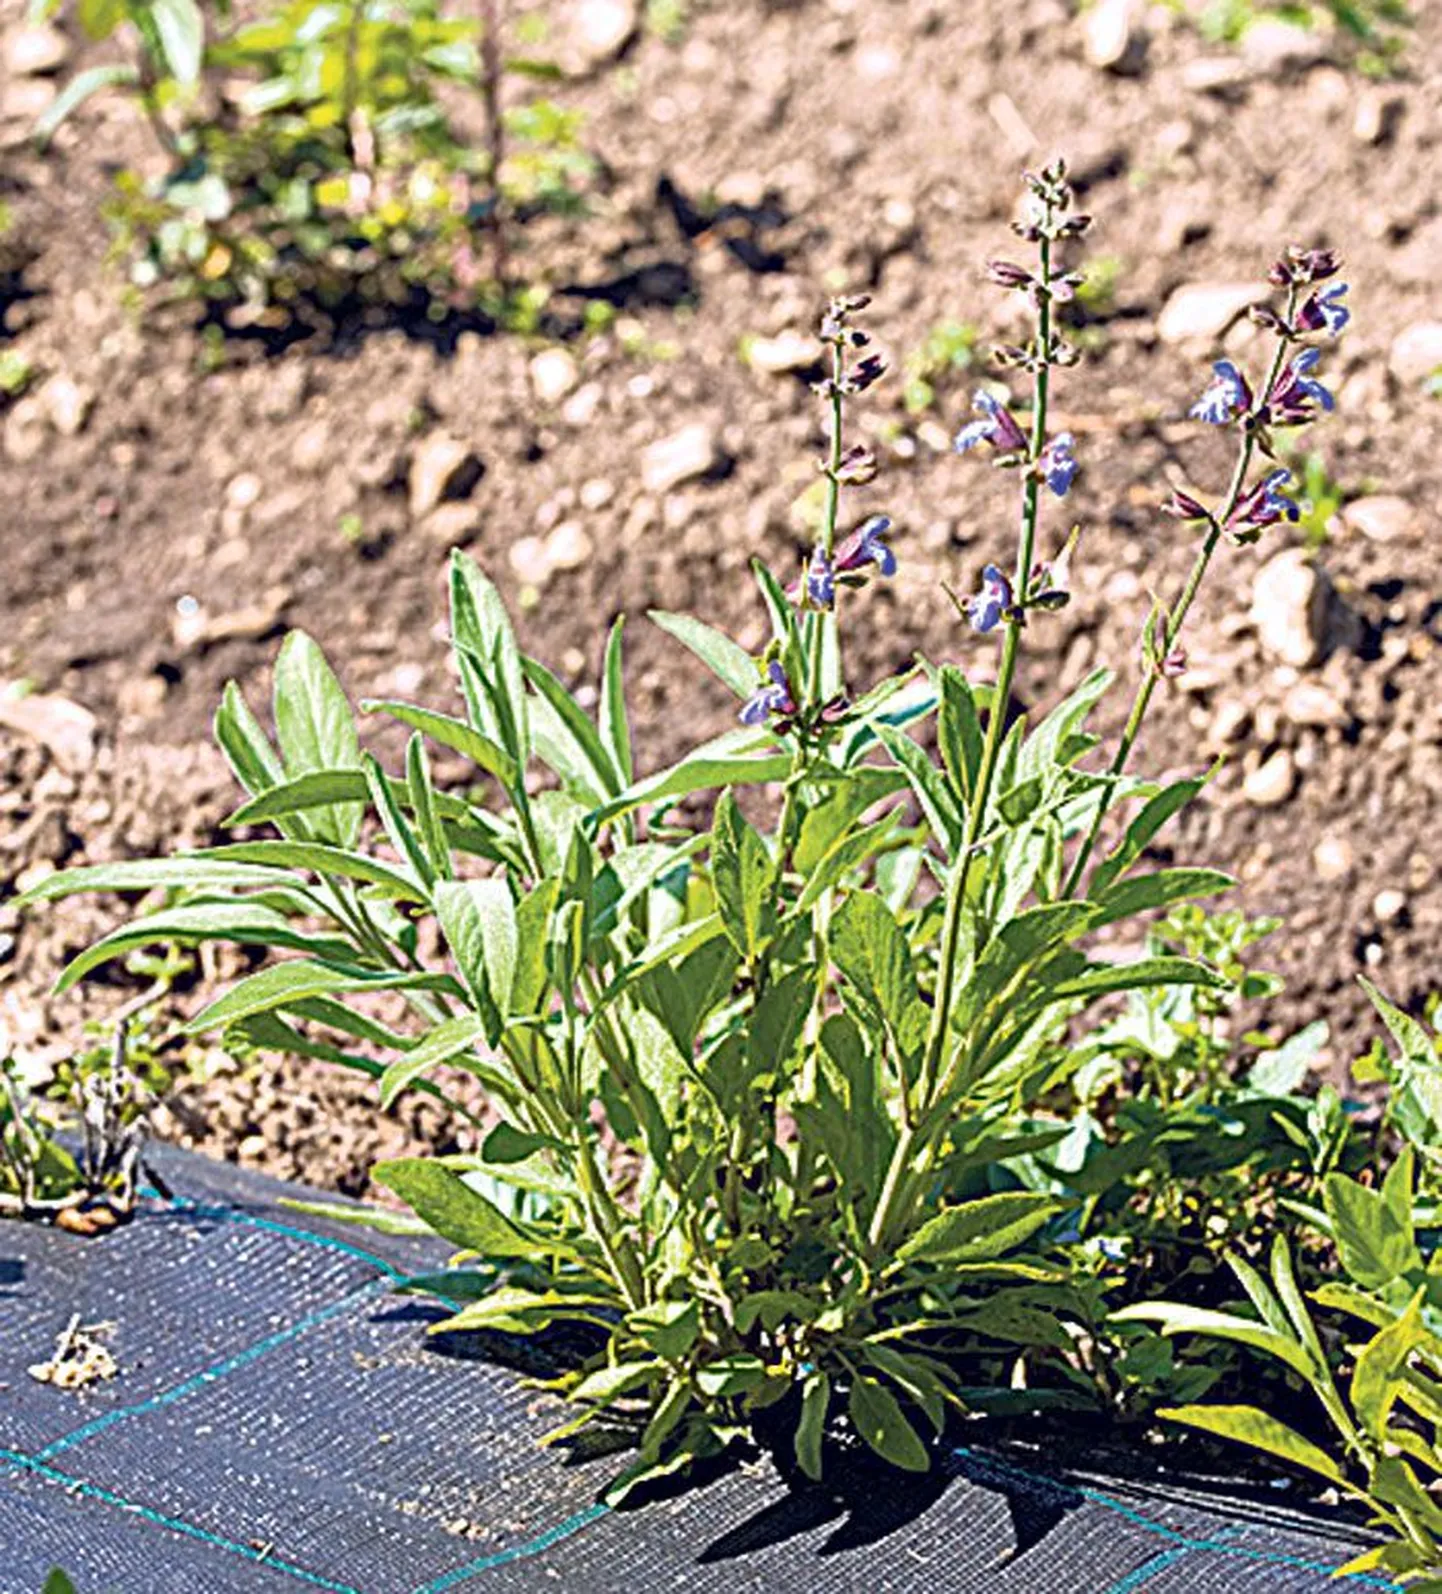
(1297, 396)
(1059, 463)
(989, 607)
(1265, 503)
(996, 426)
(864, 546)
(820, 581)
(770, 698)
(1226, 397)
(1325, 311)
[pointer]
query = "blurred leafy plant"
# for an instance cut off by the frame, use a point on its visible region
(1375, 29)
(928, 371)
(313, 159)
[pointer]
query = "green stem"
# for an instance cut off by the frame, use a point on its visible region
(823, 619)
(899, 1172)
(1176, 618)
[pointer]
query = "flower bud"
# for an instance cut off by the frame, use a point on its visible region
(1007, 274)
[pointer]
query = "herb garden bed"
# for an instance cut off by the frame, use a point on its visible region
(279, 1419)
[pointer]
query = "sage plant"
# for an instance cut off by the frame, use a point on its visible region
(766, 1094)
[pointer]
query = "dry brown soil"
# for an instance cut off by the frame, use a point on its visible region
(889, 134)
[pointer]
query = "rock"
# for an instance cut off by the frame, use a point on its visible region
(35, 51)
(1222, 75)
(593, 33)
(1203, 310)
(450, 524)
(580, 409)
(64, 729)
(784, 354)
(1332, 859)
(1273, 48)
(1272, 782)
(1381, 518)
(444, 469)
(554, 374)
(693, 451)
(1377, 115)
(194, 628)
(1291, 600)
(1310, 704)
(1389, 905)
(536, 559)
(25, 430)
(311, 452)
(243, 491)
(66, 404)
(1416, 352)
(1114, 38)
(596, 493)
(1230, 722)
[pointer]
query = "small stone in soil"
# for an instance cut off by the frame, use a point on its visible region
(692, 452)
(1272, 782)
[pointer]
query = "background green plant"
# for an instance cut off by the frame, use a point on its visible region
(312, 159)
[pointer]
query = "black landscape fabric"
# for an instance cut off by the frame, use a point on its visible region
(281, 1423)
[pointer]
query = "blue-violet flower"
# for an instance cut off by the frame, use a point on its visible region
(773, 697)
(1265, 503)
(996, 426)
(820, 581)
(1325, 311)
(1226, 397)
(864, 546)
(1059, 463)
(989, 607)
(1296, 392)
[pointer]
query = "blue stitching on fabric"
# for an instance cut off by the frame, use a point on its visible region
(211, 1375)
(1181, 1540)
(216, 1541)
(518, 1552)
(237, 1215)
(1158, 1564)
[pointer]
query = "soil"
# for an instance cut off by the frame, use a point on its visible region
(161, 548)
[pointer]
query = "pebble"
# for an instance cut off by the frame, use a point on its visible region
(784, 354)
(554, 374)
(1272, 47)
(444, 469)
(596, 493)
(1310, 704)
(693, 451)
(580, 409)
(536, 559)
(1376, 117)
(1272, 782)
(453, 523)
(1201, 310)
(63, 728)
(1383, 517)
(66, 404)
(311, 451)
(1389, 905)
(25, 432)
(593, 33)
(1230, 722)
(1290, 600)
(35, 51)
(1416, 352)
(1332, 858)
(243, 491)
(193, 627)
(1114, 37)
